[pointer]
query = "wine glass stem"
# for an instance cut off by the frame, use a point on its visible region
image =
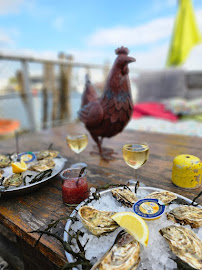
(135, 174)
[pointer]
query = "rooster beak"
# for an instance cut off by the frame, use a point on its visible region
(130, 60)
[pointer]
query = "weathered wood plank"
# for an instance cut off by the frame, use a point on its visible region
(23, 214)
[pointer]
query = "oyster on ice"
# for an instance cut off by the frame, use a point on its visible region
(186, 215)
(4, 161)
(47, 154)
(14, 180)
(42, 165)
(123, 255)
(124, 196)
(184, 244)
(97, 222)
(165, 196)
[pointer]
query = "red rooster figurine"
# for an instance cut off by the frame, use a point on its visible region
(108, 115)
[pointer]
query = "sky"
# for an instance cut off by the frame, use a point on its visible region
(91, 30)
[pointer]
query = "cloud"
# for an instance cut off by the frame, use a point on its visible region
(91, 55)
(158, 6)
(154, 58)
(58, 23)
(145, 34)
(5, 39)
(8, 37)
(29, 53)
(198, 14)
(171, 3)
(193, 61)
(10, 6)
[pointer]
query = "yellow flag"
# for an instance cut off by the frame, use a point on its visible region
(185, 34)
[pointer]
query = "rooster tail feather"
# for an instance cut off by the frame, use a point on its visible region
(89, 93)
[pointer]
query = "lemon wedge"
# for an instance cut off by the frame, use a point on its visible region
(19, 167)
(134, 225)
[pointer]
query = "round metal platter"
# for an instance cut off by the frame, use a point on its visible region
(69, 222)
(23, 189)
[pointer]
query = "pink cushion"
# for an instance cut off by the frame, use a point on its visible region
(153, 109)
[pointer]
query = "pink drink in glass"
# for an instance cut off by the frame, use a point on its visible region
(74, 188)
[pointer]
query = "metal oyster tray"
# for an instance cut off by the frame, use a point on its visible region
(69, 222)
(31, 187)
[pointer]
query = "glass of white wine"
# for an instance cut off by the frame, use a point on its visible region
(77, 143)
(135, 155)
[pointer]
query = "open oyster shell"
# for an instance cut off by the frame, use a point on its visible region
(184, 244)
(124, 196)
(42, 165)
(123, 255)
(165, 196)
(186, 215)
(47, 154)
(4, 161)
(97, 222)
(14, 180)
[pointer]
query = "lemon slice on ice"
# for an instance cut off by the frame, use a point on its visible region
(134, 225)
(19, 167)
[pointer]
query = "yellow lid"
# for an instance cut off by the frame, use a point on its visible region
(186, 171)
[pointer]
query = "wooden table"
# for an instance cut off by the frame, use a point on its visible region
(23, 214)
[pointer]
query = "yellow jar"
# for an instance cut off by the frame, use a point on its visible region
(187, 171)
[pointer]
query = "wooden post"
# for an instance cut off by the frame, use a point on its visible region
(62, 86)
(68, 88)
(55, 96)
(48, 85)
(29, 103)
(45, 95)
(65, 72)
(20, 83)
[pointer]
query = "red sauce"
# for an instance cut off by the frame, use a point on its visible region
(74, 193)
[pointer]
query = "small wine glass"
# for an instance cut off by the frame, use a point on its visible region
(135, 155)
(77, 143)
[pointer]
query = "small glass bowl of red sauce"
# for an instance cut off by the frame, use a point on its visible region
(74, 185)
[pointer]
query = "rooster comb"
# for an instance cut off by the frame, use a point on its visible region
(122, 50)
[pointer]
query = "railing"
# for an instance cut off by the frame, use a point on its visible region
(57, 80)
(53, 96)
